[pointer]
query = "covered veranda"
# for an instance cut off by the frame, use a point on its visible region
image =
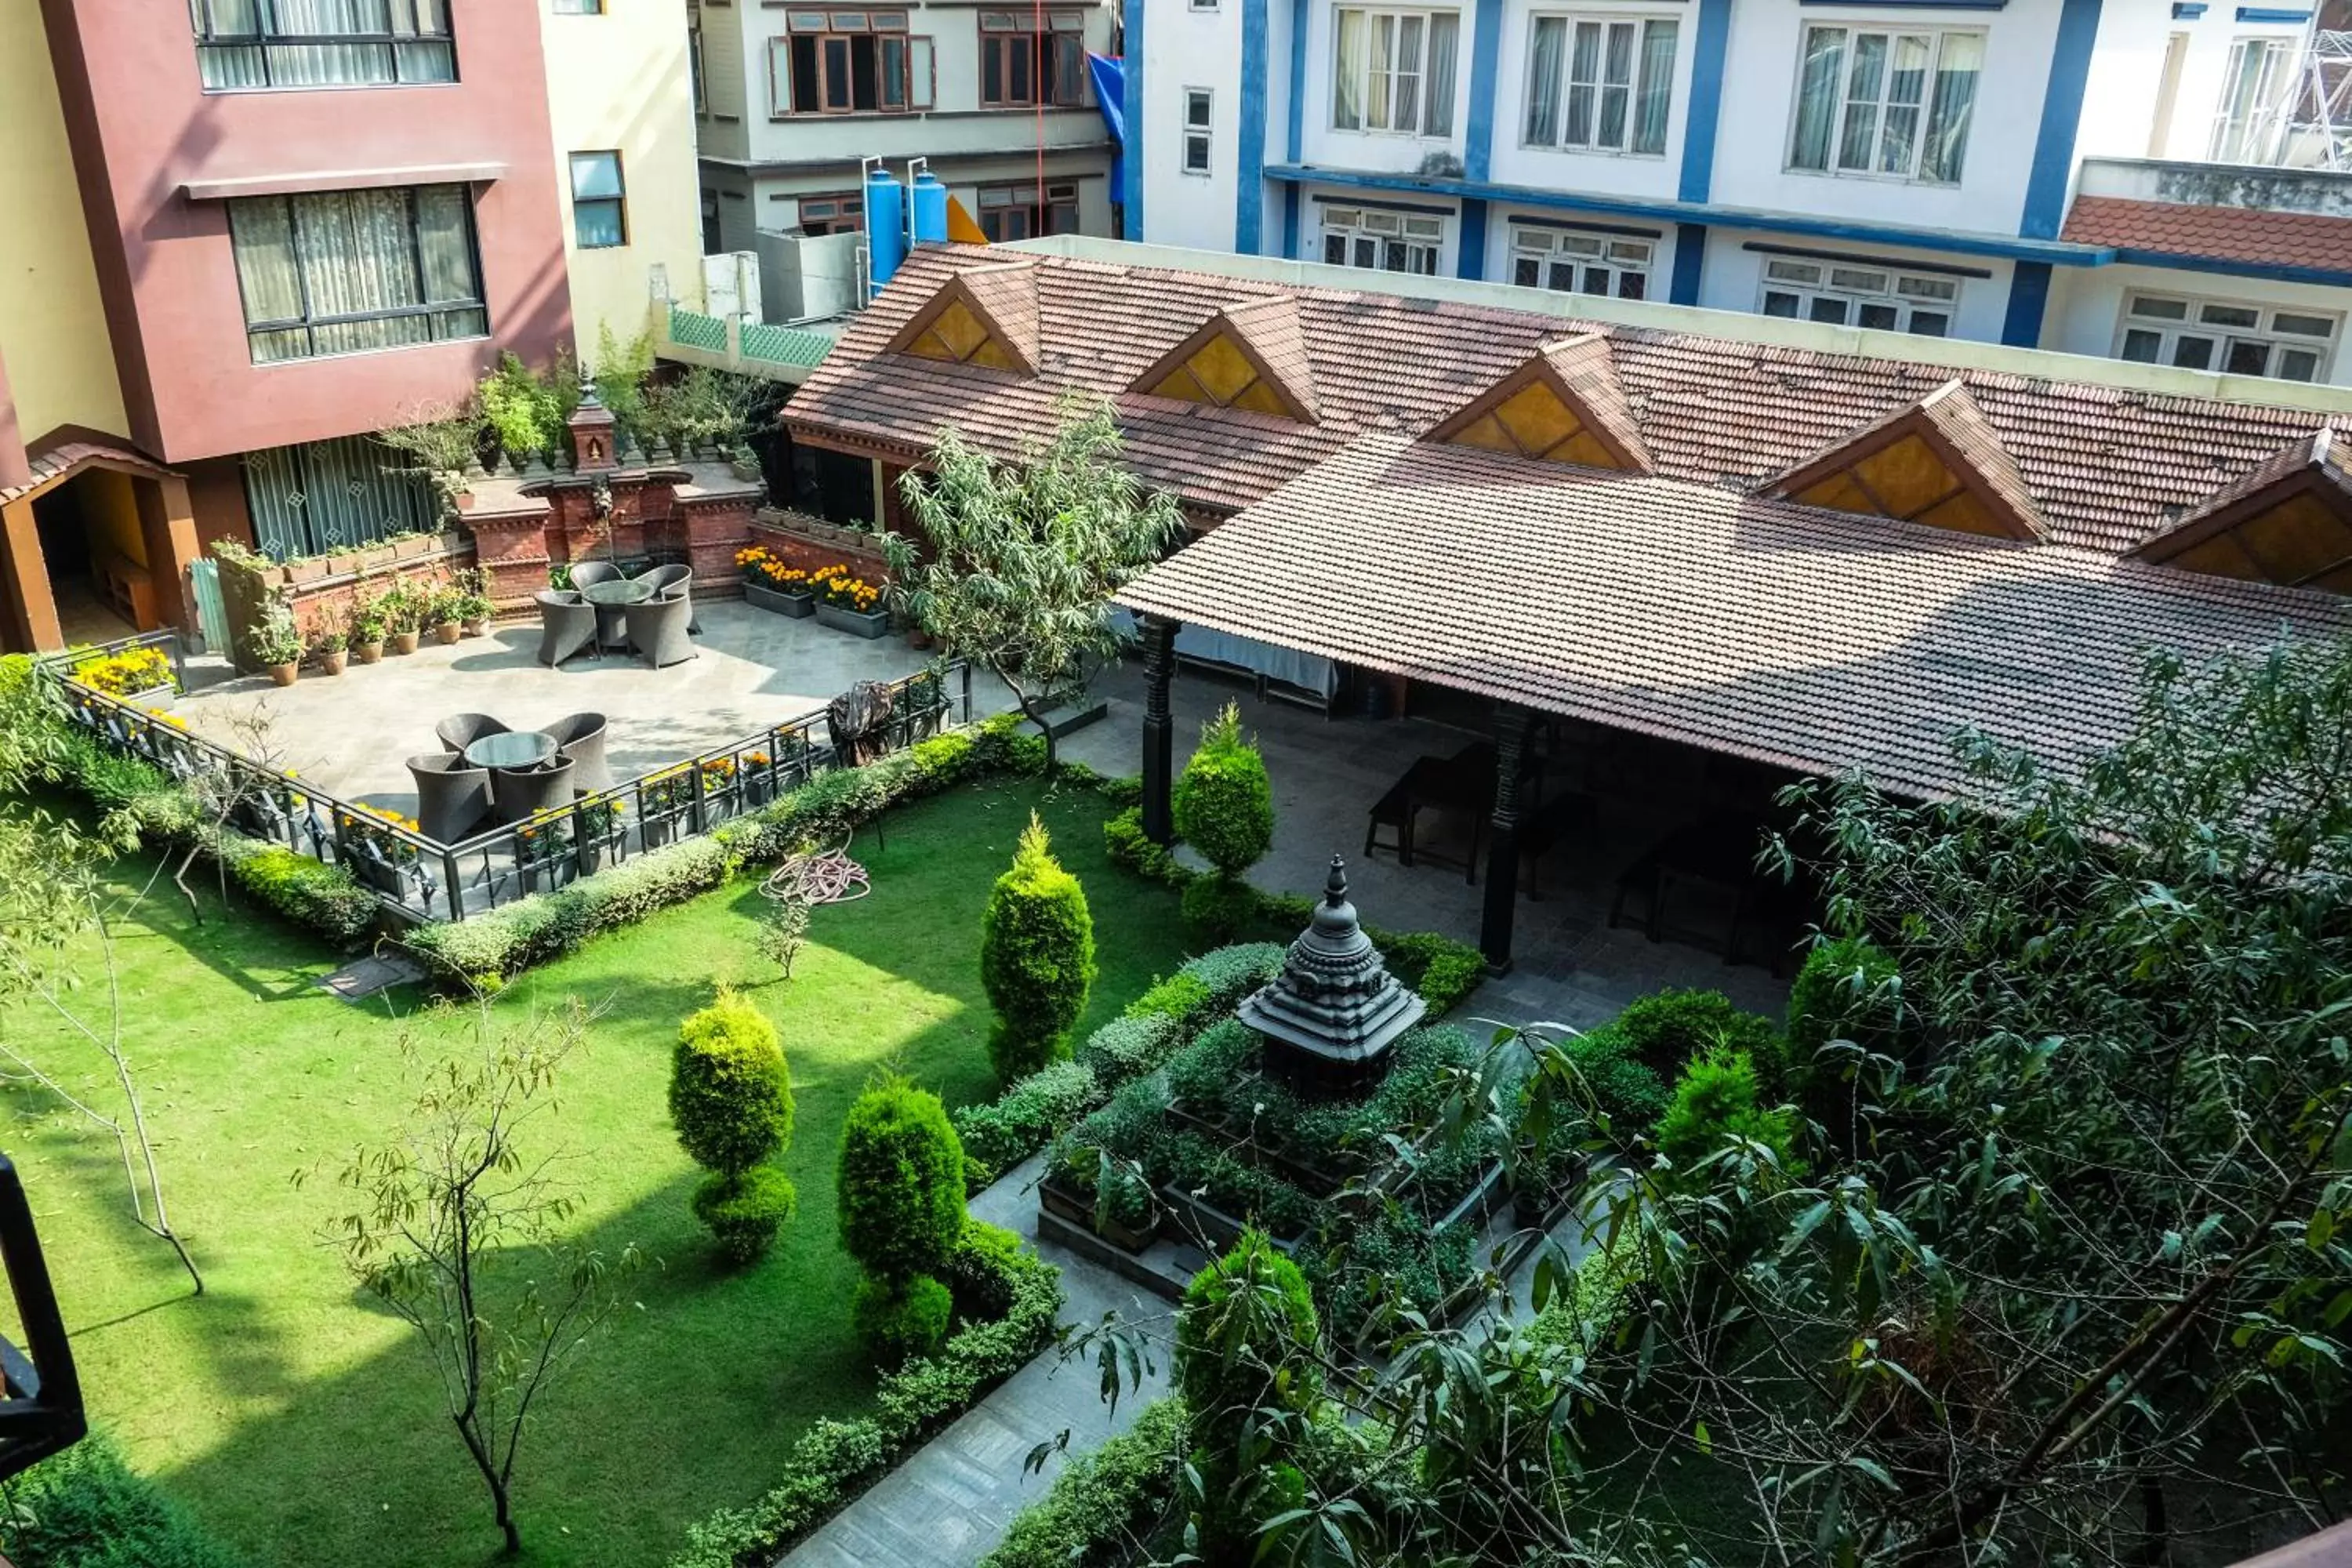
(1669, 651)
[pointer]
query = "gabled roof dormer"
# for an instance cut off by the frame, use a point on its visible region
(1250, 356)
(1563, 405)
(1936, 462)
(2288, 521)
(982, 315)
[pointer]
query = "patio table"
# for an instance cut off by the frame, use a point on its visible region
(1463, 782)
(511, 749)
(612, 600)
(1717, 853)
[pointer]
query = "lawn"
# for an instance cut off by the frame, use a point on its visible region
(297, 1422)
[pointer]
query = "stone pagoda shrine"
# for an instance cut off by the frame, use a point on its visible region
(1333, 1013)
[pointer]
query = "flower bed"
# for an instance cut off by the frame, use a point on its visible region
(132, 672)
(1008, 1301)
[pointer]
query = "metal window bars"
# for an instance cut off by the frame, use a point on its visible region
(419, 878)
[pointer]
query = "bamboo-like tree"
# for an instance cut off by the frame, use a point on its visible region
(461, 1232)
(1014, 565)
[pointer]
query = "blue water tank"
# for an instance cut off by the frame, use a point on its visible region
(886, 226)
(930, 206)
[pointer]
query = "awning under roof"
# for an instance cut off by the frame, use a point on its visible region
(1805, 638)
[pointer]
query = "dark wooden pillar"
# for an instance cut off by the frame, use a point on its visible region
(1503, 836)
(1159, 728)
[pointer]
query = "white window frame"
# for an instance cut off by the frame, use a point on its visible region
(1200, 107)
(1204, 5)
(1840, 293)
(1834, 162)
(1401, 80)
(1637, 25)
(2226, 341)
(1374, 237)
(2252, 127)
(1572, 260)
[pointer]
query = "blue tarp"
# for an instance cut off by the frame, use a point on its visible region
(1109, 75)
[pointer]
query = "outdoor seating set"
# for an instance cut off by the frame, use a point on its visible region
(652, 612)
(489, 771)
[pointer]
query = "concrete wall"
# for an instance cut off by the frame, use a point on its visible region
(1733, 279)
(1183, 47)
(142, 128)
(621, 81)
(1609, 174)
(58, 354)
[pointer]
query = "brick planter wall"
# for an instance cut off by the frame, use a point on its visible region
(321, 601)
(809, 543)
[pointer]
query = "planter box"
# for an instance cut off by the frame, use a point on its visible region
(1066, 1202)
(856, 623)
(154, 697)
(1118, 1235)
(797, 605)
(410, 549)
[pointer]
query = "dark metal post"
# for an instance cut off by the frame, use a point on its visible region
(695, 815)
(1503, 837)
(1159, 728)
(41, 1407)
(965, 717)
(449, 884)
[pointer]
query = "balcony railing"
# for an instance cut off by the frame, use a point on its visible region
(419, 878)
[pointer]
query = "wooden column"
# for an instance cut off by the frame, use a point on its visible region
(33, 608)
(167, 525)
(1159, 728)
(1511, 723)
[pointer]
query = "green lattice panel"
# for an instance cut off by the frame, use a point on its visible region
(783, 346)
(697, 331)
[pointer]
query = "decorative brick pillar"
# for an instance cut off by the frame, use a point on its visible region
(715, 508)
(510, 539)
(662, 529)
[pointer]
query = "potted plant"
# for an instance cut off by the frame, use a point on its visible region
(770, 585)
(365, 627)
(848, 604)
(404, 615)
(409, 546)
(138, 675)
(1126, 1213)
(474, 607)
(305, 569)
(600, 831)
(444, 610)
(1068, 1191)
(275, 643)
(330, 645)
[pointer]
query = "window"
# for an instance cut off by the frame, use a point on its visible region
(600, 217)
(331, 495)
(1578, 262)
(1013, 212)
(1017, 62)
(1599, 86)
(256, 45)
(579, 7)
(2251, 121)
(1387, 241)
(348, 271)
(1196, 130)
(1395, 71)
(844, 214)
(1875, 296)
(1205, 4)
(693, 68)
(1885, 103)
(848, 62)
(2217, 334)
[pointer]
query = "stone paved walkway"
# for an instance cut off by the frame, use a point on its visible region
(948, 1505)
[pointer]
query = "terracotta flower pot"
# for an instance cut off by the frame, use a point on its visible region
(474, 629)
(404, 642)
(447, 632)
(331, 661)
(368, 652)
(283, 674)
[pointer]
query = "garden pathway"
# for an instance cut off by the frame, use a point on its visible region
(948, 1505)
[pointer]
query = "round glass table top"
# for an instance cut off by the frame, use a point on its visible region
(621, 591)
(513, 748)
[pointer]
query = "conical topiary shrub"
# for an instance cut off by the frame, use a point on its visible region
(1224, 807)
(1036, 958)
(900, 1192)
(730, 1096)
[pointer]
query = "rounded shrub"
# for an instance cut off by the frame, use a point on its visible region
(1036, 957)
(1223, 801)
(730, 1093)
(1673, 1027)
(901, 1182)
(1246, 1336)
(899, 1320)
(1220, 907)
(743, 1210)
(1717, 1100)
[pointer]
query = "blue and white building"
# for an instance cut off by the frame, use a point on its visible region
(1891, 165)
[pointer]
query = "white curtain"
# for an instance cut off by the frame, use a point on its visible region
(1583, 83)
(1957, 70)
(1444, 30)
(1817, 95)
(1348, 81)
(1657, 87)
(1549, 44)
(356, 253)
(325, 43)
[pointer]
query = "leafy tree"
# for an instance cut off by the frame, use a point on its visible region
(1248, 1364)
(1036, 957)
(1014, 565)
(460, 1233)
(900, 1194)
(730, 1096)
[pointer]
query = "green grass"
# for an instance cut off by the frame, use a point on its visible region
(305, 1426)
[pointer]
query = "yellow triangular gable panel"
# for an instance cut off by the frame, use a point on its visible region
(960, 228)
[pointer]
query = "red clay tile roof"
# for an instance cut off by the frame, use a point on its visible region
(2217, 234)
(71, 454)
(1957, 419)
(1268, 329)
(2105, 466)
(1806, 638)
(1007, 296)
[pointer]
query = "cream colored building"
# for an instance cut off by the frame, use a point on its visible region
(620, 98)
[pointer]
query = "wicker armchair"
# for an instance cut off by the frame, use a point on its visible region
(522, 793)
(588, 574)
(566, 626)
(668, 580)
(451, 797)
(657, 630)
(581, 737)
(460, 730)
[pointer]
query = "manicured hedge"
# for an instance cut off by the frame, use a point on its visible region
(835, 1460)
(1101, 1502)
(85, 1509)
